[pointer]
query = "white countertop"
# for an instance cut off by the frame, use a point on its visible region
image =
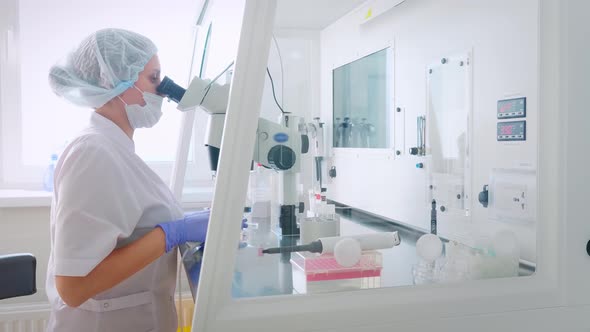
(17, 198)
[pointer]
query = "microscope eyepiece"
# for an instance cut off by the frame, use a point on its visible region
(170, 89)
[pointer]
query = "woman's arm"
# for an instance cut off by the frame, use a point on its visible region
(116, 267)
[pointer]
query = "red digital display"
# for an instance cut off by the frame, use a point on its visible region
(506, 107)
(512, 131)
(511, 108)
(506, 130)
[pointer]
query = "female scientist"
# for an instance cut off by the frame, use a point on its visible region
(114, 223)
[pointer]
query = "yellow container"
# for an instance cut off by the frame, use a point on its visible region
(185, 318)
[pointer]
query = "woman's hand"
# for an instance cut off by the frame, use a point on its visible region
(192, 228)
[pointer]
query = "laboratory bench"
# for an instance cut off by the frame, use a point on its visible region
(276, 274)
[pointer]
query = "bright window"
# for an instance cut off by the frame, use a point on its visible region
(37, 34)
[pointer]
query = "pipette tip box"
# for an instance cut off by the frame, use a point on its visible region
(321, 273)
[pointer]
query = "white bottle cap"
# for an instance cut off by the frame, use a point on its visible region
(347, 252)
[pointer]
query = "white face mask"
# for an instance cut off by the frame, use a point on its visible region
(144, 116)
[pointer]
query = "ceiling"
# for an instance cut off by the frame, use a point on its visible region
(312, 14)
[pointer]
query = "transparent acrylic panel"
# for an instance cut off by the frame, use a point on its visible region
(477, 248)
(360, 102)
(448, 130)
(419, 258)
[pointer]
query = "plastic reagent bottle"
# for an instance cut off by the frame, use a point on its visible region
(48, 176)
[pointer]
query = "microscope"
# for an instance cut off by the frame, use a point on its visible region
(278, 146)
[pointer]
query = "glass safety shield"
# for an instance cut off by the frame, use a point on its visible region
(368, 203)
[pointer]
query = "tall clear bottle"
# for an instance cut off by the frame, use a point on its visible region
(48, 175)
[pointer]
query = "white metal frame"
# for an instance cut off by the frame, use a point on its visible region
(538, 301)
(237, 146)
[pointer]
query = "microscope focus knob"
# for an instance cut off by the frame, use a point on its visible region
(281, 157)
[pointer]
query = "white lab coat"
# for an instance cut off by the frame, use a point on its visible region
(106, 197)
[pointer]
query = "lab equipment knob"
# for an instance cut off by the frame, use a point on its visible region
(483, 196)
(301, 207)
(420, 165)
(332, 172)
(263, 136)
(281, 157)
(414, 151)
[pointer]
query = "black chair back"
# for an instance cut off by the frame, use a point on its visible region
(17, 275)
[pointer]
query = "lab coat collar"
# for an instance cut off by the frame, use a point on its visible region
(111, 130)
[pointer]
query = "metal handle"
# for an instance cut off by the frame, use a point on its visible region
(421, 134)
(8, 42)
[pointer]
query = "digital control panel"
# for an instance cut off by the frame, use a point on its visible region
(512, 131)
(512, 108)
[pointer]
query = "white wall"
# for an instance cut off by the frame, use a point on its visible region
(503, 36)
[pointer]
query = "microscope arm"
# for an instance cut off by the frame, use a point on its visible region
(277, 146)
(211, 97)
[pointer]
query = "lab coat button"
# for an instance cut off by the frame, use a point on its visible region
(106, 305)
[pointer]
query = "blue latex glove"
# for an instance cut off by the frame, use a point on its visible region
(194, 271)
(192, 228)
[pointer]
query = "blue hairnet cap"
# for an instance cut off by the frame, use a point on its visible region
(102, 67)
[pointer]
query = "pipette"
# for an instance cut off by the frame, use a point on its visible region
(326, 244)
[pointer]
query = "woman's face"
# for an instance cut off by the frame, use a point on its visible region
(147, 81)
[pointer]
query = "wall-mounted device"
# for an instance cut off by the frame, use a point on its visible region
(420, 148)
(512, 195)
(511, 131)
(512, 108)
